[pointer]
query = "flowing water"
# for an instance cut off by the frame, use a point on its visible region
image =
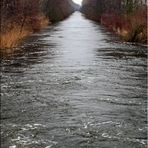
(74, 85)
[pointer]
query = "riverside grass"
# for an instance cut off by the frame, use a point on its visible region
(11, 38)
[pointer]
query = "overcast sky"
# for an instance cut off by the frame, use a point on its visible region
(78, 1)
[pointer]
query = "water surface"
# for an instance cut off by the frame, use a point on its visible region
(74, 85)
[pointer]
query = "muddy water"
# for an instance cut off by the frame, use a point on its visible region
(74, 85)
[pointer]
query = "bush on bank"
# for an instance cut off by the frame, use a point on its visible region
(131, 28)
(127, 18)
(19, 18)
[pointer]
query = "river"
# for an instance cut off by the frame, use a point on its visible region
(74, 85)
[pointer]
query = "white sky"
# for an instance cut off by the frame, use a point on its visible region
(78, 1)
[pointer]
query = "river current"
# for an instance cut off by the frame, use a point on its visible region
(74, 85)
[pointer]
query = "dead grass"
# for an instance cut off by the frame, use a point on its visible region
(131, 27)
(11, 38)
(137, 31)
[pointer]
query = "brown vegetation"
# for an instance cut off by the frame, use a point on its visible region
(127, 18)
(19, 18)
(14, 33)
(131, 28)
(57, 10)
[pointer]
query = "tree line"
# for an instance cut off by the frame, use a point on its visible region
(20, 17)
(128, 18)
(118, 6)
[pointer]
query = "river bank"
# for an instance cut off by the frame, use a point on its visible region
(13, 36)
(21, 18)
(128, 20)
(130, 28)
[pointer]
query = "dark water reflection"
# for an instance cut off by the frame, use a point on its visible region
(74, 85)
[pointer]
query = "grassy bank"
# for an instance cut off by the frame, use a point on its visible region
(131, 28)
(19, 18)
(16, 31)
(127, 18)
